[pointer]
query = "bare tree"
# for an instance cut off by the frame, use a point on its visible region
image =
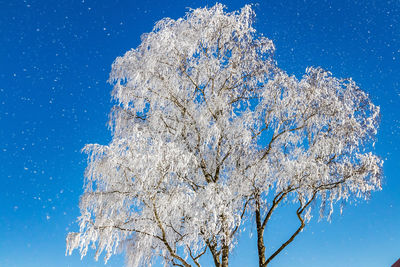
(207, 133)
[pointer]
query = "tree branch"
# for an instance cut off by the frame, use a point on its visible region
(164, 239)
(241, 216)
(302, 225)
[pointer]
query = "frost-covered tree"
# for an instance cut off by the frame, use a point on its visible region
(209, 133)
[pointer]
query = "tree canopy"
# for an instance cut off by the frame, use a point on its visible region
(208, 133)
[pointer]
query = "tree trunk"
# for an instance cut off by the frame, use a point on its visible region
(261, 249)
(216, 261)
(225, 256)
(214, 253)
(260, 239)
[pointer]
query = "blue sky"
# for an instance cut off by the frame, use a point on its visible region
(55, 57)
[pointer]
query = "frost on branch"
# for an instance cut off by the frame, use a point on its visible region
(208, 131)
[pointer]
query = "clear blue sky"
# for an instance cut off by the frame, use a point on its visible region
(55, 57)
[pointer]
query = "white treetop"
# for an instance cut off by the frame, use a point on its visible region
(207, 132)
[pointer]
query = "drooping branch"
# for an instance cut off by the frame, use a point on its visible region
(126, 230)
